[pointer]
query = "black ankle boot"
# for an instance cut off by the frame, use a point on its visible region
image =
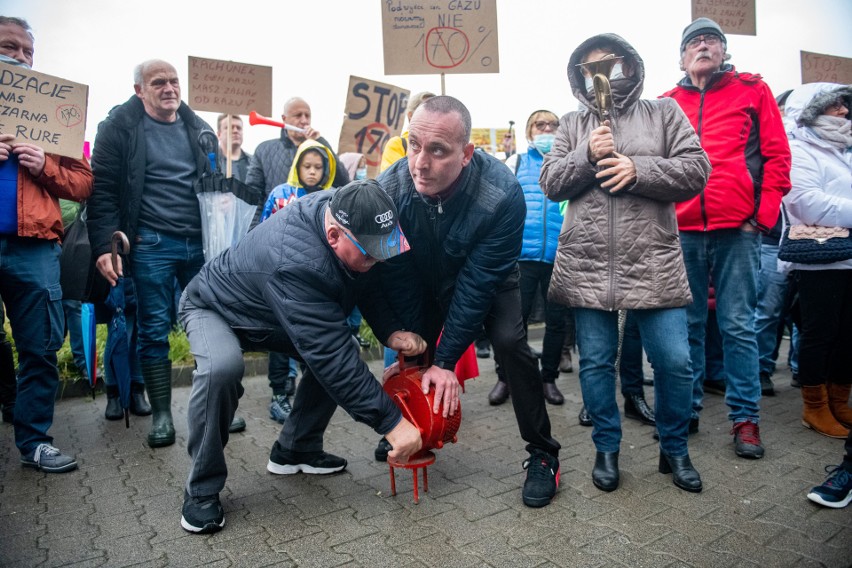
(552, 394)
(499, 394)
(683, 474)
(637, 408)
(113, 408)
(584, 418)
(605, 473)
(138, 405)
(290, 385)
(158, 383)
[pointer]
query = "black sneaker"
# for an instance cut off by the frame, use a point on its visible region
(283, 462)
(382, 450)
(202, 515)
(48, 459)
(542, 479)
(766, 386)
(747, 440)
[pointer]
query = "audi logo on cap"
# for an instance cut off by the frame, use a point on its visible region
(384, 217)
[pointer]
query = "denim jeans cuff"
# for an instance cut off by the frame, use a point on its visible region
(753, 419)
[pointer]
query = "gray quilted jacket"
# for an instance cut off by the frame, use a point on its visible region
(622, 251)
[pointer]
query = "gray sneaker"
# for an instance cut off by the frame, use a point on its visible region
(48, 459)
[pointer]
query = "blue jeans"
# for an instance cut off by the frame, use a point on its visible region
(630, 370)
(771, 296)
(29, 285)
(665, 338)
(714, 355)
(731, 257)
(158, 258)
(74, 328)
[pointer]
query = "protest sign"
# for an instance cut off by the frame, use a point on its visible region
(44, 110)
(229, 87)
(374, 113)
(817, 67)
(733, 16)
(440, 36)
(489, 139)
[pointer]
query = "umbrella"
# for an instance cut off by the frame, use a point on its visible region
(90, 344)
(227, 205)
(117, 352)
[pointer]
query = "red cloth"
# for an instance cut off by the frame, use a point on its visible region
(467, 367)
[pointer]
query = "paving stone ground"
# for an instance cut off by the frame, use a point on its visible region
(122, 506)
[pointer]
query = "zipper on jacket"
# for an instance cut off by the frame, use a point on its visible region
(700, 127)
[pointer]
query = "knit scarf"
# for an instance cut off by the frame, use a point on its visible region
(835, 130)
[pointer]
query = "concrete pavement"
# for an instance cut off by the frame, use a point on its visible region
(122, 506)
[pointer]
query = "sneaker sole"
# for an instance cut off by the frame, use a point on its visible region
(206, 529)
(281, 469)
(817, 498)
(60, 469)
(749, 454)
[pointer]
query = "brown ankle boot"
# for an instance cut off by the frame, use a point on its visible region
(838, 402)
(817, 415)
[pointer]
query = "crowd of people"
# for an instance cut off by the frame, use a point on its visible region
(633, 220)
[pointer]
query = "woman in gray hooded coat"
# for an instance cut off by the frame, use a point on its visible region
(619, 248)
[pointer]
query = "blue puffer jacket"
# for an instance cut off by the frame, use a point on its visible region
(543, 222)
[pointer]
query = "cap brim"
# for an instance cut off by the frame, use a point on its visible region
(383, 247)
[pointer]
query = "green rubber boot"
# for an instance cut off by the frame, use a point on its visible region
(158, 383)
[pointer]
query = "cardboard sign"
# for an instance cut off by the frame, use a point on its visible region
(374, 113)
(229, 87)
(440, 36)
(818, 67)
(44, 110)
(733, 16)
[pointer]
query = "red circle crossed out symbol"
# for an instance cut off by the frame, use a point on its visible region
(446, 47)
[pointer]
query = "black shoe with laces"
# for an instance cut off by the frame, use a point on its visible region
(202, 515)
(283, 462)
(542, 479)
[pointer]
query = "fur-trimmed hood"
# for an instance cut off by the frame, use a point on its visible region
(808, 102)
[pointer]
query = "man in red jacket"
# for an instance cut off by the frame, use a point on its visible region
(31, 182)
(740, 128)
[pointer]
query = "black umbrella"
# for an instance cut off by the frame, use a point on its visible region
(117, 352)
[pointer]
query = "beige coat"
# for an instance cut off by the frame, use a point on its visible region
(622, 251)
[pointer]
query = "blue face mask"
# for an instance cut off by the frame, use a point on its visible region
(361, 173)
(543, 142)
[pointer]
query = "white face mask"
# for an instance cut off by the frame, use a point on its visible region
(616, 73)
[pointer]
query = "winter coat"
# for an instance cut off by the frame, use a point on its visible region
(463, 250)
(39, 212)
(622, 250)
(544, 220)
(739, 125)
(281, 288)
(821, 174)
(119, 163)
(288, 192)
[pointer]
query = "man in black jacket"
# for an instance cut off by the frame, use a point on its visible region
(288, 286)
(463, 213)
(146, 161)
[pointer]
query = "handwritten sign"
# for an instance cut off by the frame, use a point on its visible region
(733, 16)
(44, 110)
(229, 87)
(817, 67)
(374, 113)
(440, 36)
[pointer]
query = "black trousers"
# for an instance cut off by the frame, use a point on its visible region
(825, 344)
(535, 279)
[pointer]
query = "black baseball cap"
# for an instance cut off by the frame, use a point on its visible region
(364, 209)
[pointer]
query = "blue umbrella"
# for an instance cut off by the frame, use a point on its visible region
(90, 344)
(117, 352)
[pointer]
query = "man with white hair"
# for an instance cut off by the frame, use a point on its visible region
(740, 128)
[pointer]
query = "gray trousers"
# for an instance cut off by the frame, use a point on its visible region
(216, 390)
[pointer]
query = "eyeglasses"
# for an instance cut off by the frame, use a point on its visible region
(357, 245)
(542, 124)
(835, 106)
(709, 39)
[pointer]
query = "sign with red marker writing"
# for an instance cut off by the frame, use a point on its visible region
(374, 113)
(818, 67)
(43, 110)
(733, 16)
(440, 36)
(229, 87)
